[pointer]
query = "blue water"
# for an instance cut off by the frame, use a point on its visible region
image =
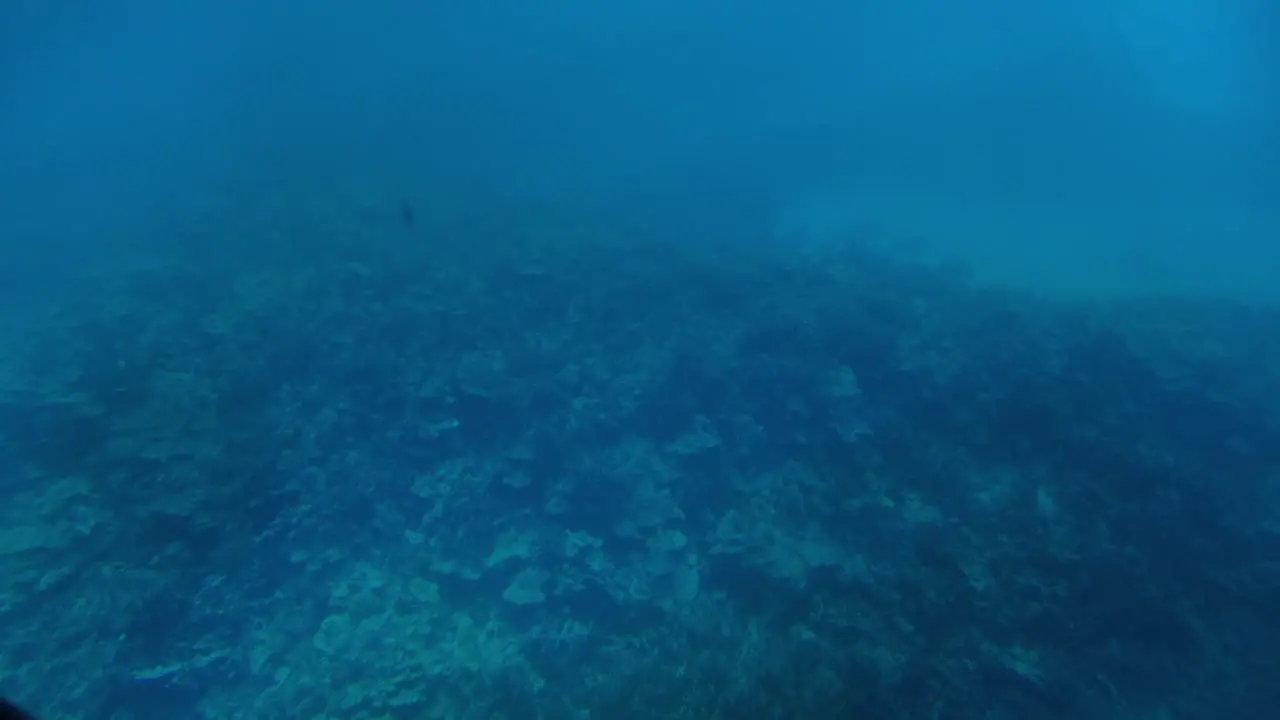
(647, 360)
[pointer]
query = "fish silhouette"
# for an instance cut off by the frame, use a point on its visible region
(406, 214)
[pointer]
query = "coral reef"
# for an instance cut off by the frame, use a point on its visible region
(524, 464)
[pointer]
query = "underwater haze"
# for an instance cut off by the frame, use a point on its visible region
(1085, 147)
(694, 360)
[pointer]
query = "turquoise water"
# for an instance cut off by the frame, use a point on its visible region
(667, 360)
